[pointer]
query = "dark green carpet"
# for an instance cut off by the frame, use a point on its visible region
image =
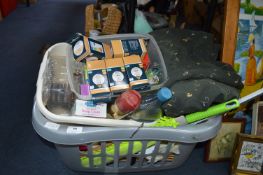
(22, 35)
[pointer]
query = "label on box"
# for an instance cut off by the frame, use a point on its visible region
(88, 108)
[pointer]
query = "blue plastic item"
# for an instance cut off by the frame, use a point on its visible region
(164, 94)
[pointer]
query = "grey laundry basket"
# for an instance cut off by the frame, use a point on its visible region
(75, 143)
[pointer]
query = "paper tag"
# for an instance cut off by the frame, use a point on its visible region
(74, 129)
(51, 125)
(85, 108)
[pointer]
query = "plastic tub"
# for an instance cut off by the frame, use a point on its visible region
(123, 149)
(59, 53)
(154, 53)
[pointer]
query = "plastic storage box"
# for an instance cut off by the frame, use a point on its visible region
(153, 51)
(128, 151)
(62, 71)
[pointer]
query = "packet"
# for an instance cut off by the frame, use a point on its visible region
(128, 47)
(80, 46)
(136, 74)
(117, 76)
(97, 78)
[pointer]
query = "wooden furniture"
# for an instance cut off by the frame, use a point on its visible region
(230, 31)
(112, 15)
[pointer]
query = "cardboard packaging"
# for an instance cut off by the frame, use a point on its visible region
(136, 74)
(117, 76)
(80, 47)
(96, 48)
(123, 48)
(84, 47)
(107, 50)
(97, 78)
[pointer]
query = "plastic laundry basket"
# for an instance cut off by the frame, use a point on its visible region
(129, 146)
(119, 146)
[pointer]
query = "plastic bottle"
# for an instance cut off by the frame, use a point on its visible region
(150, 108)
(127, 102)
(57, 94)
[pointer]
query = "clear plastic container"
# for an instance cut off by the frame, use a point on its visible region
(53, 113)
(155, 56)
(57, 94)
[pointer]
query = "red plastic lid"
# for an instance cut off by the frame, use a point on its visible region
(128, 101)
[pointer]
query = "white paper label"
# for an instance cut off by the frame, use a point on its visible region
(84, 108)
(74, 129)
(51, 125)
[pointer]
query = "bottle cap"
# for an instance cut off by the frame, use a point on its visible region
(164, 94)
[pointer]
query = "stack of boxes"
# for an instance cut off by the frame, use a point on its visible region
(112, 67)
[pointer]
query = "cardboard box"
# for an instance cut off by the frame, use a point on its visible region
(117, 76)
(123, 48)
(96, 48)
(97, 78)
(136, 74)
(84, 47)
(80, 47)
(117, 49)
(107, 50)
